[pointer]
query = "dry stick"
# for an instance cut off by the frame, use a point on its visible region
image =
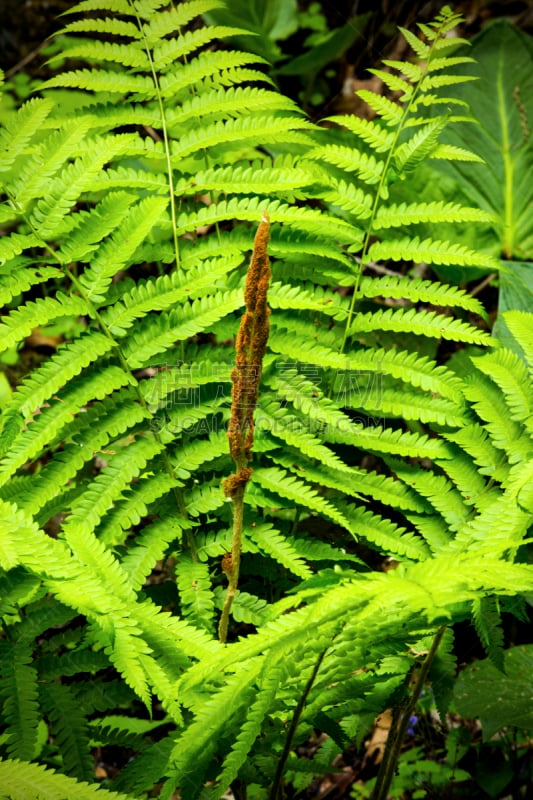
(275, 790)
(397, 732)
(250, 349)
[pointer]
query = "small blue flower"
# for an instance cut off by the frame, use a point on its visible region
(412, 723)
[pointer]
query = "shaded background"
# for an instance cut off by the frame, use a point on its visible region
(26, 24)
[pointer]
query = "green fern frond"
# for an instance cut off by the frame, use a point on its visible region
(194, 586)
(34, 177)
(19, 128)
(69, 361)
(215, 66)
(116, 251)
(253, 179)
(519, 323)
(86, 513)
(474, 440)
(129, 177)
(281, 483)
(192, 454)
(499, 417)
(191, 757)
(423, 323)
(394, 83)
(70, 730)
(20, 277)
(393, 216)
(418, 147)
(430, 251)
(49, 212)
(417, 290)
(370, 131)
(175, 18)
(71, 663)
(166, 291)
(411, 71)
(167, 51)
(19, 324)
(468, 478)
(421, 49)
(436, 81)
(487, 620)
(442, 673)
(155, 335)
(349, 197)
(383, 488)
(133, 507)
(250, 210)
(293, 431)
(246, 130)
(442, 496)
(450, 152)
(147, 769)
(55, 419)
(15, 244)
(369, 168)
(249, 608)
(118, 441)
(19, 696)
(150, 546)
(124, 55)
(99, 24)
(414, 406)
(387, 537)
(268, 683)
(129, 652)
(385, 108)
(109, 81)
(280, 549)
(19, 779)
(508, 371)
(228, 102)
(88, 434)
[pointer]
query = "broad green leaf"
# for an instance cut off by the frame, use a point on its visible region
(337, 42)
(516, 294)
(502, 103)
(268, 22)
(498, 699)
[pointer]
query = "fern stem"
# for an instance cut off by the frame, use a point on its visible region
(400, 723)
(166, 143)
(275, 790)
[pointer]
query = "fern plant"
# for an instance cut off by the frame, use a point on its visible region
(128, 193)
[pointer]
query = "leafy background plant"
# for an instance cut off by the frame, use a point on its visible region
(131, 194)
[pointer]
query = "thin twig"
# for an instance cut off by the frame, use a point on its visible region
(275, 790)
(400, 725)
(485, 282)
